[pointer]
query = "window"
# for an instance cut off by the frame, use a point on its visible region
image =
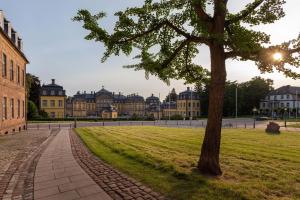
(23, 110)
(19, 108)
(288, 105)
(23, 78)
(44, 92)
(4, 107)
(11, 70)
(45, 103)
(60, 93)
(60, 103)
(18, 74)
(282, 105)
(52, 92)
(52, 114)
(4, 65)
(12, 108)
(264, 105)
(52, 103)
(287, 96)
(281, 97)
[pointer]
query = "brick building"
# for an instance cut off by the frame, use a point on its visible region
(12, 79)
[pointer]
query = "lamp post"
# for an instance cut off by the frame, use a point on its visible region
(254, 120)
(285, 109)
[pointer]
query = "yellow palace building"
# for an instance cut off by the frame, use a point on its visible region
(53, 98)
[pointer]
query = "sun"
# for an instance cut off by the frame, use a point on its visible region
(277, 56)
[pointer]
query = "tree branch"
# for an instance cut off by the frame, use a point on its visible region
(169, 24)
(176, 51)
(244, 13)
(296, 50)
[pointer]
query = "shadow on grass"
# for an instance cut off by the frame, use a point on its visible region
(162, 177)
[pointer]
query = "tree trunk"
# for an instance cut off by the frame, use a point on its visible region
(209, 159)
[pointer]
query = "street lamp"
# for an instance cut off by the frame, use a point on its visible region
(254, 111)
(285, 109)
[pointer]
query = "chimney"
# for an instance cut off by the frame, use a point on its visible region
(1, 19)
(188, 88)
(84, 92)
(53, 81)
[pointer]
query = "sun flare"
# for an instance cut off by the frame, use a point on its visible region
(277, 56)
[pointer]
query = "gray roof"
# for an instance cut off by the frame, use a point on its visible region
(46, 90)
(187, 95)
(285, 90)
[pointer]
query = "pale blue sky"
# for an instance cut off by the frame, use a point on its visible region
(56, 49)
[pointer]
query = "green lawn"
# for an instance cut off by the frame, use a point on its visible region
(255, 165)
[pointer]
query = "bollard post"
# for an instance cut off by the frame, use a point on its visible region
(70, 125)
(245, 125)
(119, 123)
(38, 126)
(49, 126)
(102, 123)
(142, 123)
(58, 126)
(154, 123)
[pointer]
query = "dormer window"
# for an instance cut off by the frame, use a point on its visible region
(60, 93)
(52, 92)
(44, 92)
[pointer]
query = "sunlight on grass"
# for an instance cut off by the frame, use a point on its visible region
(255, 165)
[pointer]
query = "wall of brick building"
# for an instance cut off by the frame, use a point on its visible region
(12, 89)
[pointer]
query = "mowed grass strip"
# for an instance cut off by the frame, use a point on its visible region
(256, 165)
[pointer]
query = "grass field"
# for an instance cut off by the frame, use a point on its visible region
(296, 125)
(255, 165)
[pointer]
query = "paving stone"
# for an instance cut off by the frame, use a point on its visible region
(46, 192)
(70, 195)
(59, 169)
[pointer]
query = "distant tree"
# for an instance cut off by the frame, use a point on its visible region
(43, 114)
(32, 110)
(33, 86)
(249, 95)
(251, 92)
(167, 34)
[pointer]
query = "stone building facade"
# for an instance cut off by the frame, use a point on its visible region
(12, 79)
(286, 97)
(188, 104)
(106, 104)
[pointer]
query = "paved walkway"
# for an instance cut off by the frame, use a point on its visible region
(58, 175)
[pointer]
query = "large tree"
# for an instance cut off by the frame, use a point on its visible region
(167, 34)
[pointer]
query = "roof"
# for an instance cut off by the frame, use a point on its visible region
(2, 32)
(152, 99)
(47, 90)
(103, 91)
(285, 90)
(188, 94)
(135, 98)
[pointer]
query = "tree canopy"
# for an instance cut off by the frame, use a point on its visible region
(168, 34)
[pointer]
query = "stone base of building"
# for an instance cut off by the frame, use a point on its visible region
(13, 129)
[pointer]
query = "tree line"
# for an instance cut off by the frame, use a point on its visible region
(248, 95)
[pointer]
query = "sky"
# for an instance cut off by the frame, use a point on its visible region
(56, 48)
